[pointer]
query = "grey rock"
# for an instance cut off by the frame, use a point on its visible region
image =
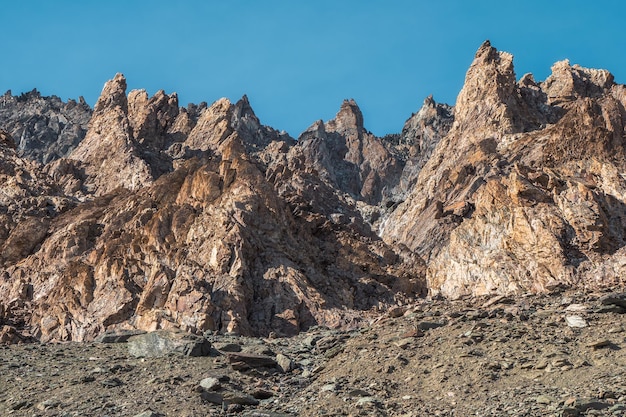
(167, 342)
(48, 404)
(598, 344)
(210, 384)
(367, 401)
(576, 322)
(330, 388)
(544, 399)
(20, 405)
(112, 382)
(610, 308)
(243, 361)
(228, 347)
(618, 299)
(584, 405)
(359, 393)
(263, 413)
(285, 364)
(212, 397)
(149, 413)
(240, 398)
(570, 412)
(262, 394)
(428, 325)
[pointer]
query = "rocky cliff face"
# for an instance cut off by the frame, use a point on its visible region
(202, 218)
(524, 193)
(183, 226)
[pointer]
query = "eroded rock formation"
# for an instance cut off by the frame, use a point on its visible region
(524, 193)
(204, 219)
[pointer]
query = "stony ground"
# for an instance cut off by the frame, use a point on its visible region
(558, 355)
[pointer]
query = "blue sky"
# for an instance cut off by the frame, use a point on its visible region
(297, 60)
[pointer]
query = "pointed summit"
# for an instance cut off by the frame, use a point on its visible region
(113, 95)
(243, 110)
(349, 119)
(487, 102)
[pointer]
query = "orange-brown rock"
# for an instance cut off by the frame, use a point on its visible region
(208, 246)
(534, 167)
(203, 219)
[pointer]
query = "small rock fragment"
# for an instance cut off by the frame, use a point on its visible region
(576, 322)
(285, 364)
(210, 384)
(600, 344)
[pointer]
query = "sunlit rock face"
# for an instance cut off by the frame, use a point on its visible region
(155, 216)
(163, 217)
(525, 192)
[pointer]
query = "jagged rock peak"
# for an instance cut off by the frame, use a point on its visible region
(489, 100)
(317, 129)
(349, 118)
(243, 112)
(569, 82)
(243, 107)
(113, 94)
(429, 102)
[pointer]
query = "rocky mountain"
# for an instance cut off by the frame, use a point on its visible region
(153, 216)
(44, 128)
(181, 227)
(525, 193)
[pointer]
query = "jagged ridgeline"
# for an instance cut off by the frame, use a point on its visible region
(142, 214)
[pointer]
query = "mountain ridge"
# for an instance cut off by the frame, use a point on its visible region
(204, 219)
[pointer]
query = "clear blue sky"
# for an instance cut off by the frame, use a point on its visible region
(297, 60)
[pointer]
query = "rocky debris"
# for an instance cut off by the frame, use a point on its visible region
(43, 129)
(167, 342)
(525, 362)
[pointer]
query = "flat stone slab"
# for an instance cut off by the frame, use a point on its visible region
(242, 361)
(117, 336)
(618, 299)
(168, 342)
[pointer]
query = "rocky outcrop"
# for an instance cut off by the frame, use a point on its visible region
(209, 244)
(109, 155)
(203, 219)
(207, 247)
(44, 128)
(348, 157)
(521, 195)
(420, 135)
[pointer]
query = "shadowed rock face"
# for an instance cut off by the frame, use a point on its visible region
(43, 128)
(202, 218)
